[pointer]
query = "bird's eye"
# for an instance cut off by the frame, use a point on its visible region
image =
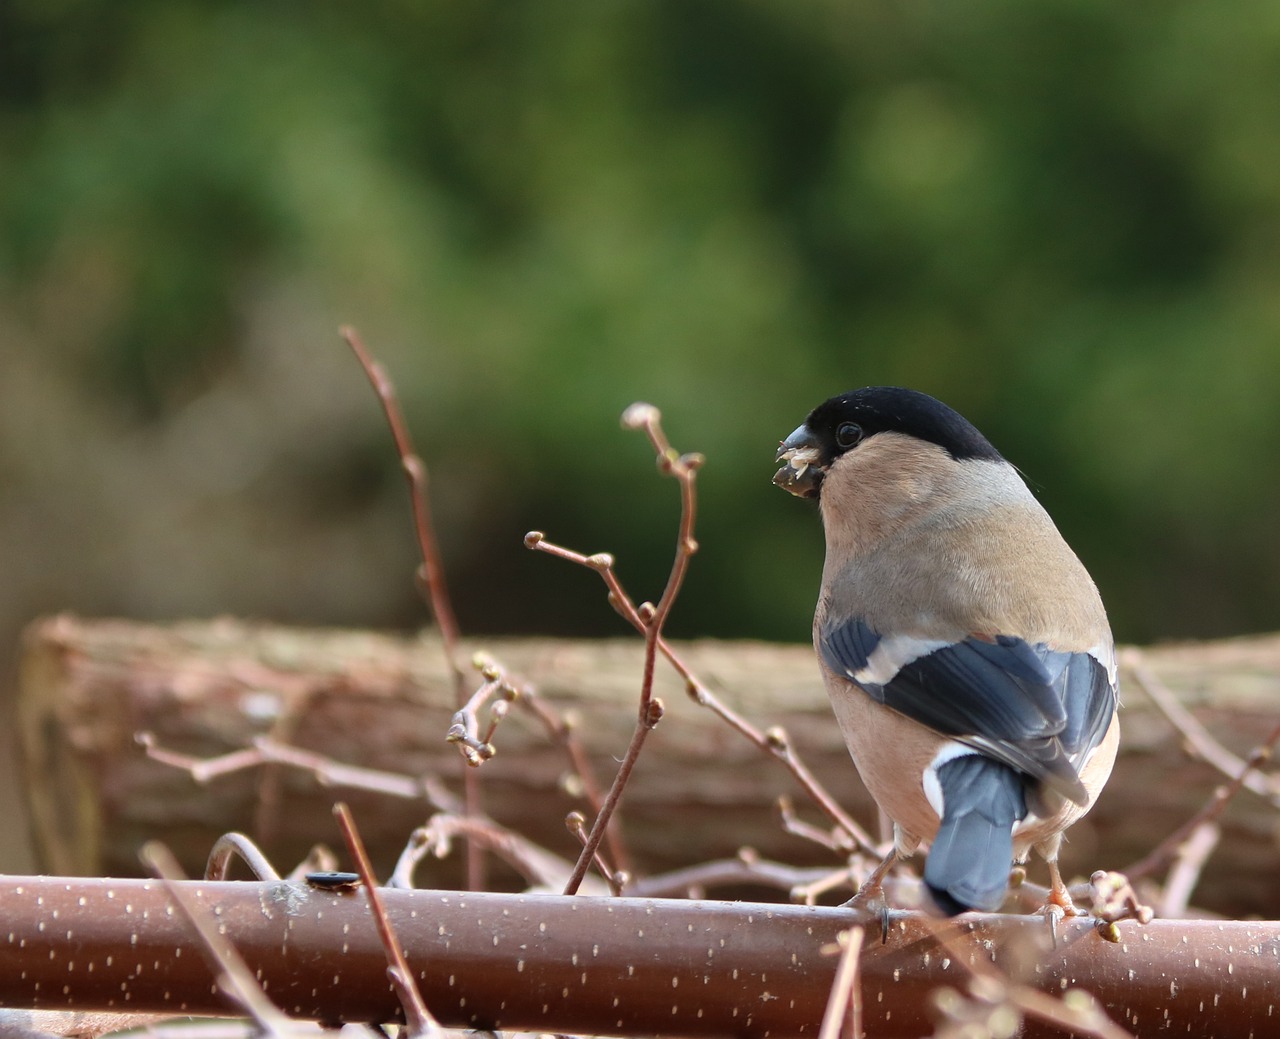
(847, 435)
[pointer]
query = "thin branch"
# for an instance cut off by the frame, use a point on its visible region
(647, 618)
(234, 978)
(464, 731)
(327, 772)
(431, 576)
(1165, 852)
(746, 868)
(419, 1020)
(416, 473)
(1183, 876)
(844, 1007)
(1198, 740)
(775, 742)
(543, 870)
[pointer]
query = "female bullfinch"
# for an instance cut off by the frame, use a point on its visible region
(964, 647)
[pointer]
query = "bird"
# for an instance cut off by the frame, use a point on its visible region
(964, 646)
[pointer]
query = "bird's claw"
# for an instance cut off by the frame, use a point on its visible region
(871, 902)
(1059, 906)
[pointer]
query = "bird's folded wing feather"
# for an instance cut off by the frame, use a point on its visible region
(1037, 709)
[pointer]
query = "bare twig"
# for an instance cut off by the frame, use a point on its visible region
(420, 1021)
(775, 742)
(997, 1004)
(431, 577)
(326, 771)
(1077, 1012)
(1165, 852)
(747, 868)
(234, 978)
(416, 473)
(464, 731)
(617, 879)
(647, 618)
(1198, 740)
(844, 1006)
(543, 870)
(1183, 876)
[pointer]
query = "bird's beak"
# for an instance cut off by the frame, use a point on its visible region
(802, 475)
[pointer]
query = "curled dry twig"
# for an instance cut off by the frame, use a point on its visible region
(504, 689)
(542, 870)
(239, 845)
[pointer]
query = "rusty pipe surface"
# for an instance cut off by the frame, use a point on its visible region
(617, 966)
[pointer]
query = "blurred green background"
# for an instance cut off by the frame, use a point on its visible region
(1063, 218)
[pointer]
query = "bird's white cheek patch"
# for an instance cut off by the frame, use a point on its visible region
(891, 655)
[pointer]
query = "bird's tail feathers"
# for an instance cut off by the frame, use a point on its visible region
(969, 861)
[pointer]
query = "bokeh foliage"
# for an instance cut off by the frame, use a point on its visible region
(1061, 217)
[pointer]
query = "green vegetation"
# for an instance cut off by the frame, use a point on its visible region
(1063, 218)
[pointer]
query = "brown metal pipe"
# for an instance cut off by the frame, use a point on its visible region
(603, 965)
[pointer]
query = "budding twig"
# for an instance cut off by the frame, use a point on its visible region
(775, 742)
(646, 618)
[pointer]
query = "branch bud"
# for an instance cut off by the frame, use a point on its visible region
(534, 538)
(640, 415)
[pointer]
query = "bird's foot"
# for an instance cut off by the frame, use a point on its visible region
(870, 898)
(1059, 904)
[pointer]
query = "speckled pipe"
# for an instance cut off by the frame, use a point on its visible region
(602, 966)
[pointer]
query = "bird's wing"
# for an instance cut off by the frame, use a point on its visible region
(1037, 709)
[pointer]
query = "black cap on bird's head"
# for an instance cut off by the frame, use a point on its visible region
(840, 424)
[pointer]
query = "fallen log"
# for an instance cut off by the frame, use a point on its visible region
(585, 965)
(699, 792)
